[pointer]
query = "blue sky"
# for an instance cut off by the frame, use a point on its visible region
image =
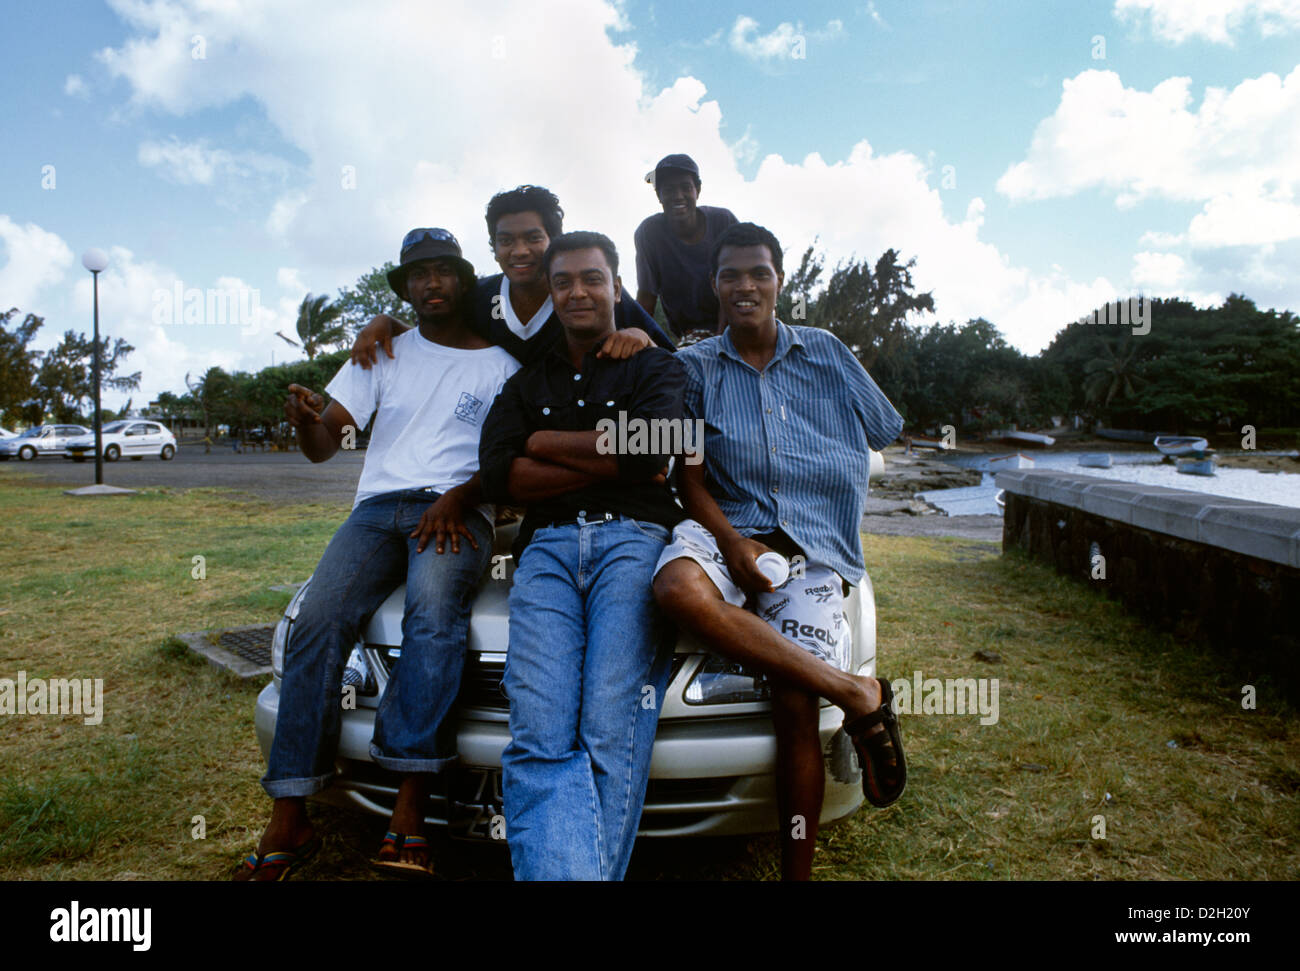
(1096, 148)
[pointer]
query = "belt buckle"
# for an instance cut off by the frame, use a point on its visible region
(584, 521)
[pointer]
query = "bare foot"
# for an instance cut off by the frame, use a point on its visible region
(289, 831)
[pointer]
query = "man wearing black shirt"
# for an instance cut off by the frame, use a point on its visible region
(588, 656)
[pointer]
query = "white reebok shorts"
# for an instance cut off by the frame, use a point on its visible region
(807, 609)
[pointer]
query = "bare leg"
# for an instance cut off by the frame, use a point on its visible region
(408, 818)
(687, 594)
(800, 778)
(288, 828)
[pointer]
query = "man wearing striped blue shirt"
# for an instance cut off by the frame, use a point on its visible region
(791, 418)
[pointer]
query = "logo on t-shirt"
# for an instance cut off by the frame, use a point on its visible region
(468, 407)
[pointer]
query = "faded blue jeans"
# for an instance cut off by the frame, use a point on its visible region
(586, 673)
(368, 558)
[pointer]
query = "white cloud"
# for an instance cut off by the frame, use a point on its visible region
(187, 164)
(1160, 274)
(1246, 218)
(75, 87)
(1217, 21)
(1236, 158)
(784, 42)
(874, 14)
(194, 163)
(427, 157)
(1160, 239)
(35, 260)
(1240, 146)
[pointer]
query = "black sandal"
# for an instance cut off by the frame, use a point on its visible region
(875, 751)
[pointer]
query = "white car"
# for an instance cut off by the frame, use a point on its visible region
(712, 770)
(6, 433)
(40, 440)
(130, 437)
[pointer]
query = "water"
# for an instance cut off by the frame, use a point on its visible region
(1281, 488)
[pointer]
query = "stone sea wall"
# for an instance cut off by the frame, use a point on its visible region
(1223, 570)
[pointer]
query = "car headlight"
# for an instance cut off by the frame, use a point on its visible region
(277, 647)
(722, 682)
(281, 636)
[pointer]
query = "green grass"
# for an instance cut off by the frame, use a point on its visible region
(1089, 701)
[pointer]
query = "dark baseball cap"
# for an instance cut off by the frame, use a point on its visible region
(683, 163)
(425, 244)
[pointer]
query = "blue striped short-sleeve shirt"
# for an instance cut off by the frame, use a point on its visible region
(789, 447)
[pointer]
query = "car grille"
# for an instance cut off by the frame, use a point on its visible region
(480, 686)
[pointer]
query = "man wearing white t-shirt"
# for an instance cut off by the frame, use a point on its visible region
(419, 482)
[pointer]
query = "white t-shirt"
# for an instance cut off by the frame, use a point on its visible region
(428, 403)
(524, 331)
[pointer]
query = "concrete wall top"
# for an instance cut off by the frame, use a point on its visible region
(1260, 529)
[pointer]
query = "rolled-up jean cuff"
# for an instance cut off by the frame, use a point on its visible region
(409, 765)
(293, 788)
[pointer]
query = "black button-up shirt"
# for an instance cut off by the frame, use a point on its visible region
(550, 395)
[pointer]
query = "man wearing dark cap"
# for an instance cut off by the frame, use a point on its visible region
(673, 249)
(419, 481)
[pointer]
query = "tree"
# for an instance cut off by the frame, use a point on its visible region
(1230, 365)
(317, 325)
(1111, 374)
(372, 295)
(866, 307)
(65, 379)
(209, 393)
(18, 369)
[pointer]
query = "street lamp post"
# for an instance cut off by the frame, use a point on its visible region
(96, 260)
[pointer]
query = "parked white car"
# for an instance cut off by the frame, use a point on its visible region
(40, 440)
(6, 433)
(130, 437)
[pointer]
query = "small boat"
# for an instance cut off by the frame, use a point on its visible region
(1002, 463)
(1125, 435)
(930, 443)
(1180, 445)
(1196, 466)
(1022, 438)
(1095, 460)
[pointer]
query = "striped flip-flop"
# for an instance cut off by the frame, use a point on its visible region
(398, 842)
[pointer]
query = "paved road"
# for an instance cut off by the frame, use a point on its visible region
(287, 477)
(279, 477)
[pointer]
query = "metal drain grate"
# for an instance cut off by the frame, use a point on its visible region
(252, 645)
(244, 651)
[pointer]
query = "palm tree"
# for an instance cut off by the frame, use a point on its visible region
(317, 327)
(1111, 375)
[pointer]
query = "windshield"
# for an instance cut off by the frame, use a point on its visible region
(114, 426)
(33, 432)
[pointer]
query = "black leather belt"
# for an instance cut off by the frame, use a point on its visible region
(586, 519)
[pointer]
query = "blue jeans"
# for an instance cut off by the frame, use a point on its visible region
(586, 672)
(368, 558)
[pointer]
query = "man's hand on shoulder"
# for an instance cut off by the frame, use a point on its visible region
(379, 332)
(622, 344)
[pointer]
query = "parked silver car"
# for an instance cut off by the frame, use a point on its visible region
(40, 440)
(711, 773)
